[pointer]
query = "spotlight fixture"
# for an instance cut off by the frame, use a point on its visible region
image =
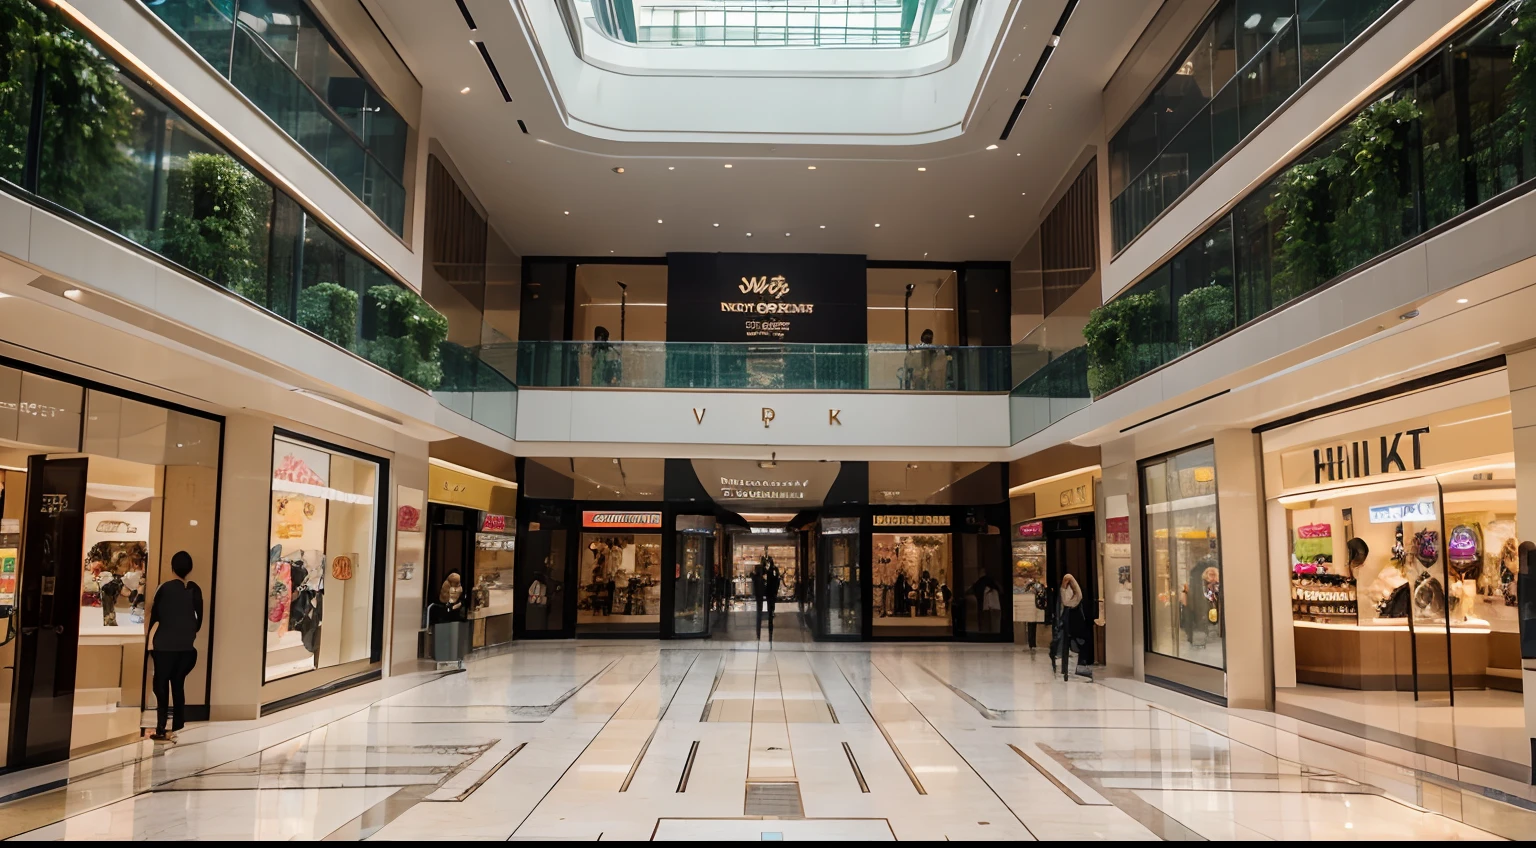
(618, 170)
(991, 147)
(464, 90)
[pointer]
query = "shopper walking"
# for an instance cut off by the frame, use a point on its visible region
(175, 617)
(766, 580)
(1066, 628)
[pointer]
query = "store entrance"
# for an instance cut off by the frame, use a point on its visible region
(1070, 550)
(915, 593)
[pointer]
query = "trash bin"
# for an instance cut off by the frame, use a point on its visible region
(450, 641)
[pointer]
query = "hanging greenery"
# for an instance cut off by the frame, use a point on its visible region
(1516, 123)
(1121, 341)
(404, 335)
(211, 222)
(1204, 314)
(330, 311)
(1303, 208)
(1374, 199)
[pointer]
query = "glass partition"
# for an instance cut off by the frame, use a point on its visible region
(1181, 563)
(320, 582)
(759, 366)
(114, 153)
(1449, 135)
(1246, 58)
(693, 574)
(839, 609)
(277, 54)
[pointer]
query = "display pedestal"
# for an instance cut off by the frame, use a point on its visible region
(1349, 656)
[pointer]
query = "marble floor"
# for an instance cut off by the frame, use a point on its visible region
(720, 739)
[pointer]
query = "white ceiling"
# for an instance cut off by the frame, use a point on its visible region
(528, 183)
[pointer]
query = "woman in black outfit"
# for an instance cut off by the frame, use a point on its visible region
(174, 618)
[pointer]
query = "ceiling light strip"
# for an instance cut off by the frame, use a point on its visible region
(1034, 77)
(491, 66)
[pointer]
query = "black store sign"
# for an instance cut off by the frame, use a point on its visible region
(766, 297)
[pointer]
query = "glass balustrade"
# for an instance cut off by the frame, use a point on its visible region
(1247, 58)
(704, 365)
(767, 23)
(350, 129)
(109, 151)
(1455, 132)
(1051, 367)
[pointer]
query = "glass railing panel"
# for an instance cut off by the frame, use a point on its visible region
(703, 365)
(114, 154)
(1058, 388)
(260, 70)
(476, 389)
(1278, 45)
(1455, 131)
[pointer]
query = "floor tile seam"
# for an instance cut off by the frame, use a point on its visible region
(558, 780)
(1007, 806)
(134, 764)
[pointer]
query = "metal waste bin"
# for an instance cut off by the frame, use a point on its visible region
(450, 641)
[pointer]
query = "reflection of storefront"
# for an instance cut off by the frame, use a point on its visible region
(1392, 527)
(471, 551)
(85, 541)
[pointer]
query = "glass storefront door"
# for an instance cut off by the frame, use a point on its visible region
(982, 585)
(839, 611)
(543, 578)
(693, 574)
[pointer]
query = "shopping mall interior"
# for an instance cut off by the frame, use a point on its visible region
(767, 419)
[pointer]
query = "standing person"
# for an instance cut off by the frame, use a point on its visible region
(175, 617)
(1065, 628)
(772, 580)
(989, 604)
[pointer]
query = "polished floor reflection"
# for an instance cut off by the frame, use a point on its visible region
(743, 740)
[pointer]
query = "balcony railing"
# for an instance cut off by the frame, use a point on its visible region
(704, 365)
(83, 137)
(1454, 134)
(363, 148)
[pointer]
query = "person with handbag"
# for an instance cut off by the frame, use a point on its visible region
(1066, 628)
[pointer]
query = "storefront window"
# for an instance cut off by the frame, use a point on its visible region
(321, 560)
(495, 553)
(1183, 557)
(619, 570)
(1028, 573)
(914, 586)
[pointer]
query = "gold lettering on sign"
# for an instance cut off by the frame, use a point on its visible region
(776, 286)
(768, 415)
(832, 417)
(698, 415)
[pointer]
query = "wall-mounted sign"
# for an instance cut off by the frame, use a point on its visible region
(766, 297)
(408, 519)
(626, 520)
(839, 527)
(1354, 459)
(1075, 496)
(1117, 531)
(493, 523)
(341, 566)
(1392, 513)
(911, 521)
(1032, 530)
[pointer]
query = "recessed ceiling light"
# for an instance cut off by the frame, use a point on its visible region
(671, 168)
(1461, 300)
(610, 251)
(1023, 194)
(1055, 41)
(464, 90)
(72, 294)
(991, 147)
(973, 216)
(749, 235)
(714, 225)
(618, 170)
(1018, 154)
(823, 226)
(567, 213)
(786, 235)
(877, 225)
(925, 254)
(658, 220)
(922, 169)
(810, 167)
(729, 165)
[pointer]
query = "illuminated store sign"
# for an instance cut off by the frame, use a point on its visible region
(764, 287)
(630, 520)
(911, 521)
(1032, 530)
(1393, 513)
(731, 487)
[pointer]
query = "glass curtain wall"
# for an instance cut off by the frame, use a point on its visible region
(110, 151)
(1181, 562)
(1244, 61)
(323, 558)
(278, 54)
(1452, 134)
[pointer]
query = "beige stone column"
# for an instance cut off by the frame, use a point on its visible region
(1244, 569)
